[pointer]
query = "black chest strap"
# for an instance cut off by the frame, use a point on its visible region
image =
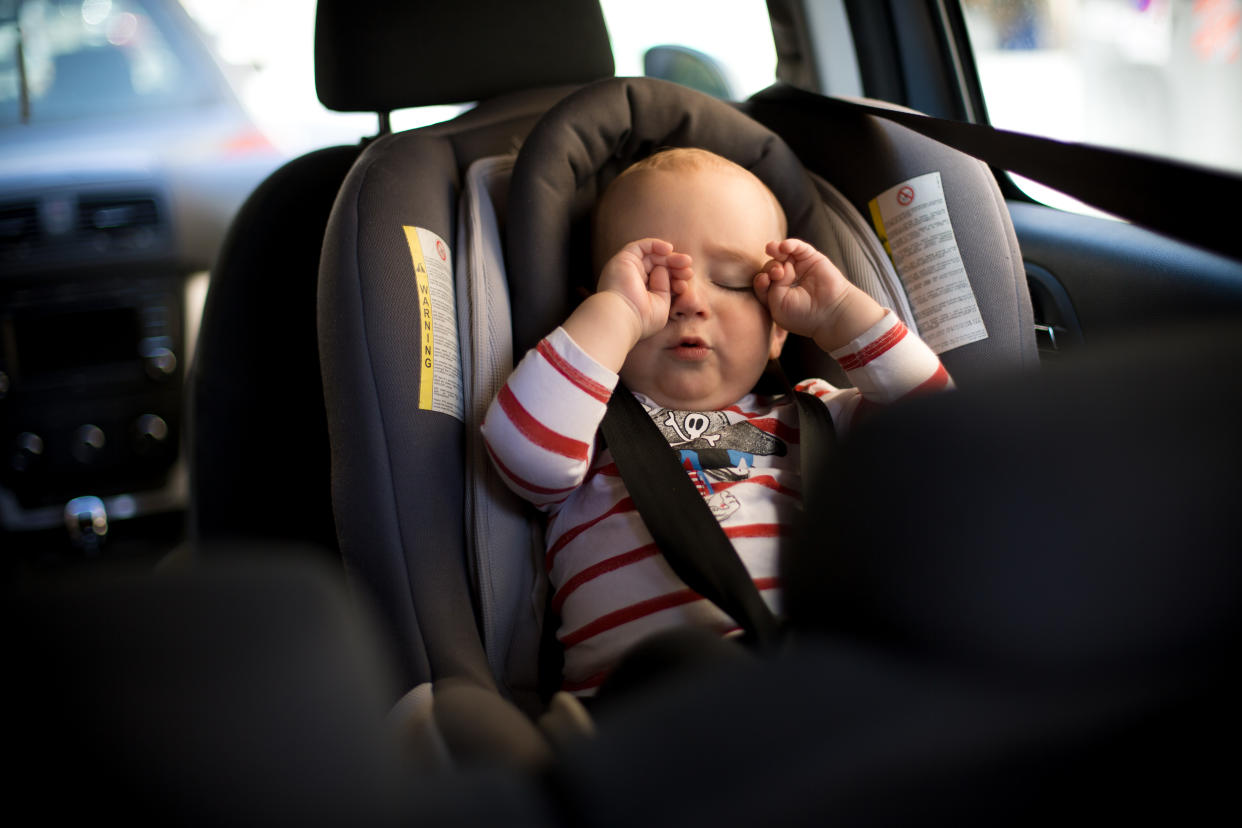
(680, 521)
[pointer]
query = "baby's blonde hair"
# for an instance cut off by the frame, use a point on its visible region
(674, 159)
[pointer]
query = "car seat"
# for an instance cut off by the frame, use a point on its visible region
(258, 436)
(446, 550)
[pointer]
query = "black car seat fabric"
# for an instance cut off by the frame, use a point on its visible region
(380, 55)
(397, 463)
(258, 440)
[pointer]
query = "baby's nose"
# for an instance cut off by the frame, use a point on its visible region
(691, 301)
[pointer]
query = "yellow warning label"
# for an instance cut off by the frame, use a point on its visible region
(439, 362)
(427, 327)
(877, 219)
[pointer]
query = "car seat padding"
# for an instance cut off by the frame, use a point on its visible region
(580, 145)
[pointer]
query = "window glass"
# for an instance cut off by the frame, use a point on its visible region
(734, 34)
(89, 59)
(1156, 76)
(275, 76)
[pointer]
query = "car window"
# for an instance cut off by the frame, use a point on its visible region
(735, 35)
(89, 59)
(278, 89)
(1156, 76)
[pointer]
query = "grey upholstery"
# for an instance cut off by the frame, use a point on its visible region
(398, 472)
(398, 480)
(980, 218)
(257, 437)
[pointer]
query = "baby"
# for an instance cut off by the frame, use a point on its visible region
(697, 289)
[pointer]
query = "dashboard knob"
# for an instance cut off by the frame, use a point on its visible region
(160, 363)
(88, 441)
(27, 452)
(150, 432)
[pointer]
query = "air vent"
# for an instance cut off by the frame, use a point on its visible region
(116, 214)
(118, 221)
(19, 230)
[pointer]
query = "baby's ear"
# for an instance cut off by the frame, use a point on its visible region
(776, 341)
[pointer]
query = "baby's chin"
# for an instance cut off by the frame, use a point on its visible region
(688, 401)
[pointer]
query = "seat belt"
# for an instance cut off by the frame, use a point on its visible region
(679, 519)
(1139, 188)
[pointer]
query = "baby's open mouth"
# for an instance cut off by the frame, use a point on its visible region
(690, 347)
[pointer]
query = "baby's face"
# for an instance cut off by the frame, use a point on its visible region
(719, 337)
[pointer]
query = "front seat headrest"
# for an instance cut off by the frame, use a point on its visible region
(379, 55)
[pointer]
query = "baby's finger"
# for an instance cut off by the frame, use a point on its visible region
(773, 249)
(645, 249)
(678, 260)
(761, 283)
(658, 281)
(797, 249)
(778, 271)
(658, 246)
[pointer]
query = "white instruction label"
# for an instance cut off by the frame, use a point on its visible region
(913, 222)
(439, 372)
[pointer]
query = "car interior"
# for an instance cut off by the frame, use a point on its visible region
(1038, 618)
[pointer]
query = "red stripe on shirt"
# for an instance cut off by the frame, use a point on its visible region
(644, 608)
(590, 573)
(625, 504)
(887, 340)
(776, 428)
(631, 613)
(525, 484)
(602, 568)
(936, 382)
(588, 683)
(581, 380)
(755, 530)
(537, 432)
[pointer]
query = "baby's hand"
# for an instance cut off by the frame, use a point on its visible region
(640, 273)
(807, 295)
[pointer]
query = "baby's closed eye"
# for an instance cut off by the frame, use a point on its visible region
(734, 280)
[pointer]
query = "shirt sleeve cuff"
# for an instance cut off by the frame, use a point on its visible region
(580, 361)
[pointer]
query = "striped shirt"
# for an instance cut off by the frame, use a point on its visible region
(610, 585)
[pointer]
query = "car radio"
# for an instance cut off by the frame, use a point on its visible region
(90, 398)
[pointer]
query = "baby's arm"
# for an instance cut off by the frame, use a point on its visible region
(540, 429)
(807, 295)
(631, 302)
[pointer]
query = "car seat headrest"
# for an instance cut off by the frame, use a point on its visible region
(584, 142)
(386, 55)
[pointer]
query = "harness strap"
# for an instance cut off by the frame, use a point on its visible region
(679, 519)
